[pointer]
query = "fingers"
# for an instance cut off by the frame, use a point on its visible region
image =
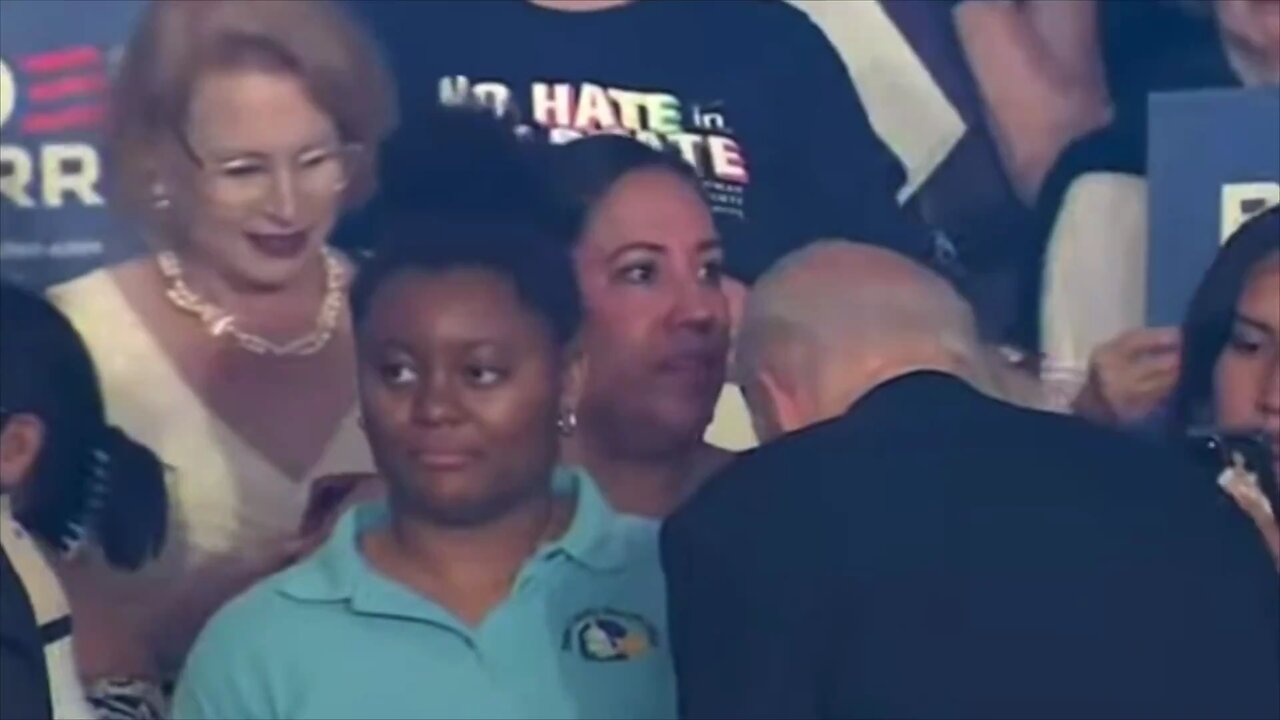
(1161, 371)
(1149, 342)
(1134, 373)
(1142, 356)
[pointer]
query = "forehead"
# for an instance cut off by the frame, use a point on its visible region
(1261, 297)
(653, 206)
(228, 106)
(417, 307)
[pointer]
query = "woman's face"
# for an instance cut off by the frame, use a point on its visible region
(656, 332)
(260, 178)
(461, 387)
(1247, 375)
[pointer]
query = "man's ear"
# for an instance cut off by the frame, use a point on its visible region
(20, 442)
(775, 404)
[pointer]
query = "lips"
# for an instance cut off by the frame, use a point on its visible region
(280, 246)
(443, 457)
(701, 368)
(442, 462)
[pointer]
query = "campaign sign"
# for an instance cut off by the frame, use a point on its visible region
(1213, 162)
(56, 62)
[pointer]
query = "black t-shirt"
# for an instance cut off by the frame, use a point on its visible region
(750, 92)
(1159, 47)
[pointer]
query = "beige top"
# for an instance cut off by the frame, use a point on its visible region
(227, 501)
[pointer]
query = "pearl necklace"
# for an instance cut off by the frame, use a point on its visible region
(219, 322)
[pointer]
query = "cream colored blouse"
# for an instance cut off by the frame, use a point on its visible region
(227, 501)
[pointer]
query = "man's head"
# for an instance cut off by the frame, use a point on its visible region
(832, 321)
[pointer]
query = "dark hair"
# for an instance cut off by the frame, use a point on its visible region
(468, 194)
(541, 272)
(584, 171)
(1207, 325)
(90, 480)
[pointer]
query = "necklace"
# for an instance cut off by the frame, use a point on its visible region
(219, 322)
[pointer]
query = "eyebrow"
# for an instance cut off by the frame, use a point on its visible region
(1255, 324)
(381, 345)
(707, 245)
(466, 344)
(232, 154)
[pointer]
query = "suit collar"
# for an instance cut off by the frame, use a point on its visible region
(918, 392)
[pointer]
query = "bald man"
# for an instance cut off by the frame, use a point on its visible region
(907, 546)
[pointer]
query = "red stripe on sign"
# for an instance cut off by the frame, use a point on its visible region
(72, 58)
(67, 87)
(73, 118)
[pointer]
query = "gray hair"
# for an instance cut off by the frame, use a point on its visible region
(835, 300)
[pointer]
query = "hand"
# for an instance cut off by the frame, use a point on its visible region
(332, 495)
(1130, 376)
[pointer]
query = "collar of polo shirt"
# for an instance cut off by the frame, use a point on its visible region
(338, 571)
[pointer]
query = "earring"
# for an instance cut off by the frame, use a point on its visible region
(160, 197)
(567, 423)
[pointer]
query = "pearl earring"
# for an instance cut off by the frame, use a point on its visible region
(160, 197)
(567, 423)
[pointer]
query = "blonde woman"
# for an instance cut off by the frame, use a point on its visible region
(240, 133)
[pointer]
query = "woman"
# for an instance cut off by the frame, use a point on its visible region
(491, 584)
(68, 481)
(656, 333)
(1231, 363)
(239, 133)
(1222, 367)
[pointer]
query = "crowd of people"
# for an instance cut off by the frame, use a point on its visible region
(413, 408)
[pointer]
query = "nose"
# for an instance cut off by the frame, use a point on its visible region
(1269, 398)
(436, 403)
(698, 306)
(283, 200)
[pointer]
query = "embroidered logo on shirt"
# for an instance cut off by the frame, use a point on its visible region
(608, 635)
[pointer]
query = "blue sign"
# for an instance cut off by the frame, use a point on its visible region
(56, 61)
(1213, 162)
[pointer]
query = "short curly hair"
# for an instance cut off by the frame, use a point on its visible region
(176, 41)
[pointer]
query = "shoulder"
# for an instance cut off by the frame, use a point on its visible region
(637, 537)
(248, 624)
(243, 652)
(81, 291)
(83, 298)
(239, 658)
(262, 626)
(1062, 463)
(772, 484)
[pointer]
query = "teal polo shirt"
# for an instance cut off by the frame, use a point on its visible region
(582, 635)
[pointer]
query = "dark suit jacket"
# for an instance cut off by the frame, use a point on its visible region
(24, 681)
(935, 553)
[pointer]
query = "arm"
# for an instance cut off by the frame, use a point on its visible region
(1039, 73)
